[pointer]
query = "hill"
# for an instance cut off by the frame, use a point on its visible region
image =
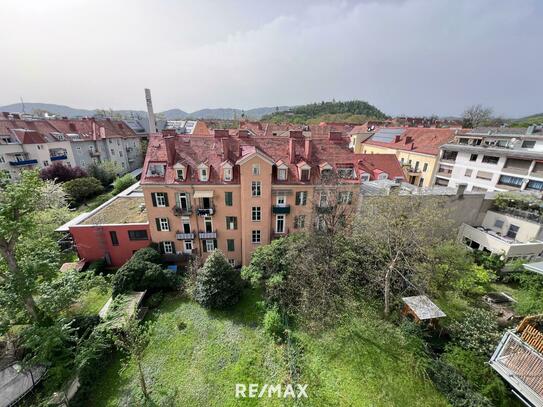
(527, 121)
(353, 111)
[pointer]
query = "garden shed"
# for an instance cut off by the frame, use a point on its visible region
(421, 308)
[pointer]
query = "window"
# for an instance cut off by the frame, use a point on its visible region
(280, 224)
(185, 223)
(183, 200)
(528, 144)
(365, 177)
(232, 262)
(156, 170)
(167, 247)
(449, 155)
(40, 146)
(120, 153)
(498, 223)
(112, 152)
(512, 232)
(512, 181)
(45, 163)
(208, 224)
(305, 175)
(203, 174)
(110, 141)
(484, 175)
(490, 159)
(230, 245)
(425, 167)
(255, 214)
(345, 197)
(162, 224)
(255, 236)
(323, 198)
(468, 172)
(256, 169)
(256, 188)
(227, 174)
(417, 166)
(180, 174)
(473, 157)
(299, 222)
(282, 174)
(113, 236)
(188, 246)
(281, 200)
(137, 235)
(2, 160)
(421, 182)
(160, 199)
(228, 198)
(231, 223)
(535, 185)
(210, 245)
(301, 198)
(345, 172)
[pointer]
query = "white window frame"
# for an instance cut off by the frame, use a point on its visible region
(203, 174)
(162, 196)
(303, 198)
(185, 220)
(232, 262)
(383, 175)
(188, 246)
(281, 200)
(210, 245)
(256, 212)
(180, 174)
(282, 174)
(256, 169)
(345, 197)
(256, 237)
(297, 223)
(208, 220)
(183, 196)
(164, 224)
(364, 177)
(277, 219)
(227, 174)
(256, 189)
(323, 198)
(168, 247)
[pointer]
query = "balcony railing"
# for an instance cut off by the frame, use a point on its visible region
(21, 163)
(207, 235)
(59, 157)
(184, 236)
(205, 211)
(519, 213)
(281, 209)
(179, 211)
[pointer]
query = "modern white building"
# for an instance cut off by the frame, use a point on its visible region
(493, 159)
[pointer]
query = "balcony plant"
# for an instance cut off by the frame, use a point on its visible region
(508, 201)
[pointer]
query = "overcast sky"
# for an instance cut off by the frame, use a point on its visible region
(406, 57)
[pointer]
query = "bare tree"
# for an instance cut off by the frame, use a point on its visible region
(476, 115)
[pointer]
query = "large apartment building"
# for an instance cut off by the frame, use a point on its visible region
(37, 143)
(493, 159)
(417, 148)
(236, 190)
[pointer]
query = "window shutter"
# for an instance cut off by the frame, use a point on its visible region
(235, 223)
(153, 198)
(215, 243)
(166, 199)
(204, 245)
(161, 248)
(167, 223)
(157, 220)
(228, 198)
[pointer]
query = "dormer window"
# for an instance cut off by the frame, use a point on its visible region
(180, 174)
(383, 175)
(345, 172)
(305, 174)
(227, 171)
(227, 174)
(256, 169)
(203, 172)
(282, 172)
(364, 177)
(156, 170)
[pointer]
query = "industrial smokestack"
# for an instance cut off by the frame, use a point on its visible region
(150, 113)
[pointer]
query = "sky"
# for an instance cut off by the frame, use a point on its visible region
(412, 57)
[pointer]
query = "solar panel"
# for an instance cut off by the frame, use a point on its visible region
(386, 135)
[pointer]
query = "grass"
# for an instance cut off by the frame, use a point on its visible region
(94, 202)
(91, 302)
(366, 362)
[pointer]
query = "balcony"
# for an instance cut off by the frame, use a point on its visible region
(59, 157)
(21, 163)
(324, 209)
(207, 235)
(94, 153)
(205, 211)
(184, 236)
(281, 209)
(179, 211)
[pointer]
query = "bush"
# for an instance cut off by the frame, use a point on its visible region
(105, 172)
(478, 331)
(218, 285)
(61, 172)
(155, 299)
(80, 189)
(273, 325)
(454, 386)
(147, 254)
(97, 267)
(123, 182)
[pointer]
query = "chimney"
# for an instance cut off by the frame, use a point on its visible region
(460, 190)
(220, 133)
(291, 150)
(169, 142)
(225, 149)
(150, 113)
(307, 150)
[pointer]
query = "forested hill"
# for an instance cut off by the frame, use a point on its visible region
(354, 111)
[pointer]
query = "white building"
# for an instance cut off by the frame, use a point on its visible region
(493, 159)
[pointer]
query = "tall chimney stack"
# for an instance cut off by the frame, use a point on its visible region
(150, 113)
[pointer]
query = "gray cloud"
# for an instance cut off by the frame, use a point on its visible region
(406, 57)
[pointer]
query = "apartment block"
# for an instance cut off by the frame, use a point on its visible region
(493, 159)
(236, 190)
(37, 143)
(416, 148)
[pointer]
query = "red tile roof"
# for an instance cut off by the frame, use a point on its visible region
(192, 150)
(418, 140)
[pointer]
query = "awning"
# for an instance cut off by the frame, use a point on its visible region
(203, 194)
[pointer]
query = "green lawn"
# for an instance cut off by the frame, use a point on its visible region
(91, 302)
(365, 363)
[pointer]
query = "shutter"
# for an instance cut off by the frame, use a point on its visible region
(166, 199)
(204, 246)
(153, 198)
(168, 223)
(215, 243)
(157, 224)
(161, 248)
(235, 223)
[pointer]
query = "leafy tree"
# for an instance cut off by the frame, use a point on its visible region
(477, 331)
(61, 173)
(449, 263)
(147, 254)
(105, 171)
(475, 280)
(475, 116)
(123, 182)
(218, 285)
(80, 189)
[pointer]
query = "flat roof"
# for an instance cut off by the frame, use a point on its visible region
(423, 307)
(535, 267)
(123, 209)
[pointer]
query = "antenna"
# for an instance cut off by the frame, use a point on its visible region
(150, 113)
(23, 104)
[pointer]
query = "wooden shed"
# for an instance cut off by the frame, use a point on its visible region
(421, 308)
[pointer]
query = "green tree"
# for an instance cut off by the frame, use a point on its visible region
(218, 285)
(105, 171)
(123, 182)
(80, 189)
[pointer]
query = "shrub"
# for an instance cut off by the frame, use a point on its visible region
(157, 278)
(273, 324)
(123, 182)
(155, 299)
(61, 172)
(478, 331)
(80, 189)
(218, 285)
(146, 254)
(474, 280)
(97, 267)
(454, 386)
(105, 172)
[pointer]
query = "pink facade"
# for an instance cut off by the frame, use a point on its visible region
(110, 242)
